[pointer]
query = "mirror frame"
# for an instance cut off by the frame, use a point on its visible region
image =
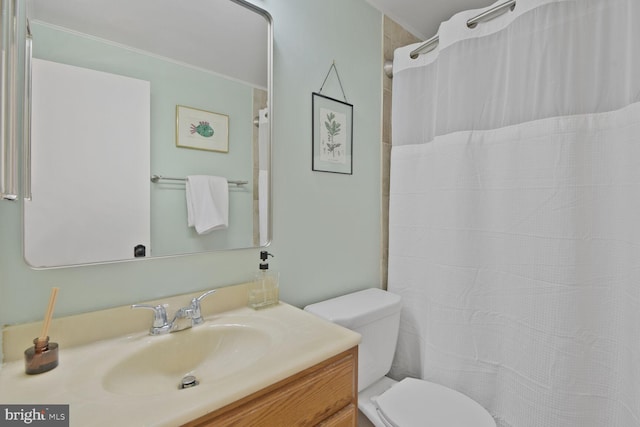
(26, 133)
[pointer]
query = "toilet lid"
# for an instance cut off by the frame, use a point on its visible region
(416, 403)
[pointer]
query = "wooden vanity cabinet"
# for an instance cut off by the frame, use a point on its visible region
(324, 395)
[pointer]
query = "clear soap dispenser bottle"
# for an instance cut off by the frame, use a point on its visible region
(263, 291)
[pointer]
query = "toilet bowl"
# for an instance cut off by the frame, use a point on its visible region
(411, 402)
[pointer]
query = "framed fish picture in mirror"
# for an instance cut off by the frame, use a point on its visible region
(201, 130)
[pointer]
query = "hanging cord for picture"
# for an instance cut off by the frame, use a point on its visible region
(333, 67)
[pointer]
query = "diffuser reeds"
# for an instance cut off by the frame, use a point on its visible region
(48, 315)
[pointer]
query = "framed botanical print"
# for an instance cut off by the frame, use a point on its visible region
(332, 138)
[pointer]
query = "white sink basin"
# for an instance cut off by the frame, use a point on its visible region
(235, 353)
(209, 352)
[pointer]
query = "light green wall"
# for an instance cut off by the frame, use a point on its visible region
(326, 226)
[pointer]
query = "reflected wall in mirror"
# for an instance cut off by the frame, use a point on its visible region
(107, 78)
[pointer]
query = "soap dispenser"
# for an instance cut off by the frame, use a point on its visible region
(263, 291)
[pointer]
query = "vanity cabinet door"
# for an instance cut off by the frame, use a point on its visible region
(325, 394)
(347, 417)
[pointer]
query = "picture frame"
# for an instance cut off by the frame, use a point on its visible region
(332, 139)
(201, 130)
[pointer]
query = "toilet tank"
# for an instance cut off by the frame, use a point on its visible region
(375, 315)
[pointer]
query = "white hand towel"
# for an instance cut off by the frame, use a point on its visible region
(207, 203)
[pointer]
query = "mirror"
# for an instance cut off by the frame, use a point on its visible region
(125, 90)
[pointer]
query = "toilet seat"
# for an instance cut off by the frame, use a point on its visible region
(416, 403)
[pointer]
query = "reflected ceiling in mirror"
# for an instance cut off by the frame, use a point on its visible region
(222, 36)
(212, 57)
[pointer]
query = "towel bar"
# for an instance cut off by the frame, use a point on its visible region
(157, 178)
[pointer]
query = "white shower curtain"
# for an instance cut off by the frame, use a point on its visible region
(515, 212)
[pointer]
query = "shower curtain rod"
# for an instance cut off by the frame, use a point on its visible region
(431, 44)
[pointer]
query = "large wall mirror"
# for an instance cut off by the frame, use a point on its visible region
(127, 99)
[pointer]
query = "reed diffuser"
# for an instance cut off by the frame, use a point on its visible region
(43, 356)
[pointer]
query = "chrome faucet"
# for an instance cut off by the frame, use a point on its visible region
(162, 326)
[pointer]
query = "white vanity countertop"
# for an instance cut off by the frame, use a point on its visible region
(77, 381)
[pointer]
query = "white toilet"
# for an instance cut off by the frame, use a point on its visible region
(375, 314)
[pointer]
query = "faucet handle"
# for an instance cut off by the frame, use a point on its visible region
(159, 313)
(196, 318)
(203, 296)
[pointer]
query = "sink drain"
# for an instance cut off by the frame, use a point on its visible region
(188, 382)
